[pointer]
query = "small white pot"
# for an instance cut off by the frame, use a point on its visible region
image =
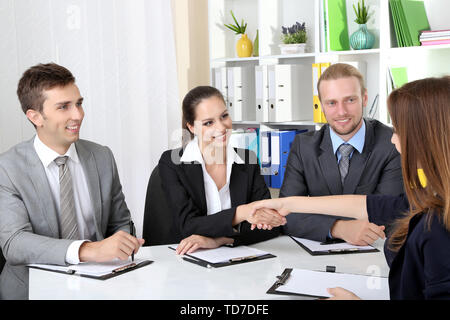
(294, 48)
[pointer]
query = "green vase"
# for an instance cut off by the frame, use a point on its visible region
(256, 45)
(362, 38)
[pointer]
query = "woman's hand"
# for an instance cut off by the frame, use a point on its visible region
(339, 293)
(279, 205)
(195, 242)
(270, 205)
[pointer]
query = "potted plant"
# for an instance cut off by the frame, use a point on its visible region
(362, 38)
(294, 39)
(244, 47)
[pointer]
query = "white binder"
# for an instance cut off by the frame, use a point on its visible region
(220, 81)
(262, 93)
(290, 88)
(241, 93)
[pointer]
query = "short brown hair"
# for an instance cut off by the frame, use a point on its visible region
(39, 78)
(341, 70)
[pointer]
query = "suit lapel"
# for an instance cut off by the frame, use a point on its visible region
(328, 164)
(238, 184)
(42, 189)
(90, 169)
(194, 175)
(358, 162)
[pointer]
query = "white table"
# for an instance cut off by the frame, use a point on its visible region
(171, 278)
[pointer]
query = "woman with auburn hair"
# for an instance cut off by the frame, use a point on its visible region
(418, 250)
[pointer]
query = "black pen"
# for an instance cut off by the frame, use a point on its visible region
(198, 262)
(133, 233)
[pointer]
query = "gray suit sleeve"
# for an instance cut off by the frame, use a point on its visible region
(119, 215)
(20, 245)
(303, 225)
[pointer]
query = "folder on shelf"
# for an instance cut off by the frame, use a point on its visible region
(266, 156)
(336, 17)
(220, 81)
(95, 270)
(245, 139)
(262, 94)
(311, 283)
(317, 69)
(225, 256)
(241, 93)
(335, 246)
(399, 76)
(281, 142)
(410, 18)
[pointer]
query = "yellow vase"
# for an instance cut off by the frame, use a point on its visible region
(244, 47)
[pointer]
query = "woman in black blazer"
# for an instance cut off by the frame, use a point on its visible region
(208, 184)
(418, 250)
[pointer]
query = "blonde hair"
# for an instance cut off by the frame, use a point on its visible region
(420, 113)
(341, 70)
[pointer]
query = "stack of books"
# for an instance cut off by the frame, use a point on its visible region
(410, 18)
(435, 37)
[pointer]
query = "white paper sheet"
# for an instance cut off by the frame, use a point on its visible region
(225, 254)
(89, 268)
(315, 283)
(316, 246)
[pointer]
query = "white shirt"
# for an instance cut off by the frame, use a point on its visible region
(83, 206)
(216, 200)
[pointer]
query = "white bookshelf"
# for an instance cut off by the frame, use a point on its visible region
(269, 15)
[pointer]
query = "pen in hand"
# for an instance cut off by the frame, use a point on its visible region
(133, 233)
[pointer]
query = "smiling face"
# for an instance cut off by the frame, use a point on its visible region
(212, 123)
(58, 125)
(342, 104)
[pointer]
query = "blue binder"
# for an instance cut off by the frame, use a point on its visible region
(265, 153)
(281, 142)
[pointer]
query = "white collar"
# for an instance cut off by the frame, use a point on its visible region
(48, 155)
(192, 153)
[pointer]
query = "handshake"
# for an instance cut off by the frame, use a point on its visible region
(266, 214)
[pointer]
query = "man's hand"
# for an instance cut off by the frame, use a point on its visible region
(266, 219)
(120, 245)
(195, 242)
(357, 232)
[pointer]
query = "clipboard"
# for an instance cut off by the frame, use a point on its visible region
(281, 280)
(332, 249)
(207, 264)
(114, 272)
(313, 284)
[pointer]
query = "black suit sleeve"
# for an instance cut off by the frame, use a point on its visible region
(184, 206)
(310, 226)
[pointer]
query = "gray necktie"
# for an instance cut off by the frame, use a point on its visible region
(345, 151)
(68, 220)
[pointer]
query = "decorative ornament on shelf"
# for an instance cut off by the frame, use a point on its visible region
(362, 38)
(256, 45)
(294, 39)
(244, 47)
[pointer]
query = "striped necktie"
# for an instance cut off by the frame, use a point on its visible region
(67, 216)
(345, 151)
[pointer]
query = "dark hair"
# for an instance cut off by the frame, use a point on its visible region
(190, 102)
(39, 78)
(420, 115)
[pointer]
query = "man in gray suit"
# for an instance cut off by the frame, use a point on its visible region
(60, 197)
(349, 155)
